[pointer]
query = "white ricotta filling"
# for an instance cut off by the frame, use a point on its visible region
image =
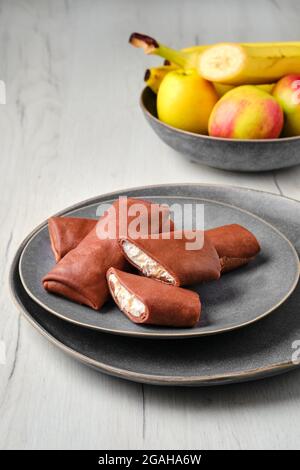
(125, 299)
(147, 265)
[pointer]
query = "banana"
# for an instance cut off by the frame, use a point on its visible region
(230, 63)
(235, 64)
(221, 88)
(186, 58)
(268, 87)
(154, 76)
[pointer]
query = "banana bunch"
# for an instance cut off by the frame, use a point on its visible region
(227, 64)
(155, 75)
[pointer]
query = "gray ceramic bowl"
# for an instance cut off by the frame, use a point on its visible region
(226, 154)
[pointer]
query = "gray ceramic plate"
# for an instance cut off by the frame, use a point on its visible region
(227, 154)
(260, 350)
(237, 299)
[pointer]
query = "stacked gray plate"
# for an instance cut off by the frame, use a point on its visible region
(255, 308)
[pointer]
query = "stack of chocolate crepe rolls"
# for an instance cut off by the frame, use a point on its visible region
(80, 275)
(89, 267)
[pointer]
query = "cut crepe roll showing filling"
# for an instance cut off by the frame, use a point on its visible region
(81, 274)
(147, 301)
(170, 259)
(67, 232)
(235, 245)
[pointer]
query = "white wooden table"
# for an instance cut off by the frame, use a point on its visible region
(72, 129)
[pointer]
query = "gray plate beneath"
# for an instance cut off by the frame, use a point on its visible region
(237, 299)
(260, 350)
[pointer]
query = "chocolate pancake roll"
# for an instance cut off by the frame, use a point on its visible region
(172, 259)
(81, 274)
(235, 245)
(67, 232)
(147, 301)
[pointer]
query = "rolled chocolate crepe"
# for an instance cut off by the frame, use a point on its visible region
(81, 274)
(172, 260)
(147, 301)
(67, 232)
(235, 245)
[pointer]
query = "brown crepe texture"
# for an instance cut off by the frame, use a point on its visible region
(186, 266)
(81, 274)
(165, 305)
(67, 232)
(235, 245)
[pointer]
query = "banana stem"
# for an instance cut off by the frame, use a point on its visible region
(172, 55)
(151, 46)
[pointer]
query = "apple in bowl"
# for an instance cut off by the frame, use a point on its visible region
(287, 93)
(246, 112)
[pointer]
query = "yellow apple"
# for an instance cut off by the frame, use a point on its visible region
(185, 100)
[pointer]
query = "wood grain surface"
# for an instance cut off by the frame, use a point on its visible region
(72, 129)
